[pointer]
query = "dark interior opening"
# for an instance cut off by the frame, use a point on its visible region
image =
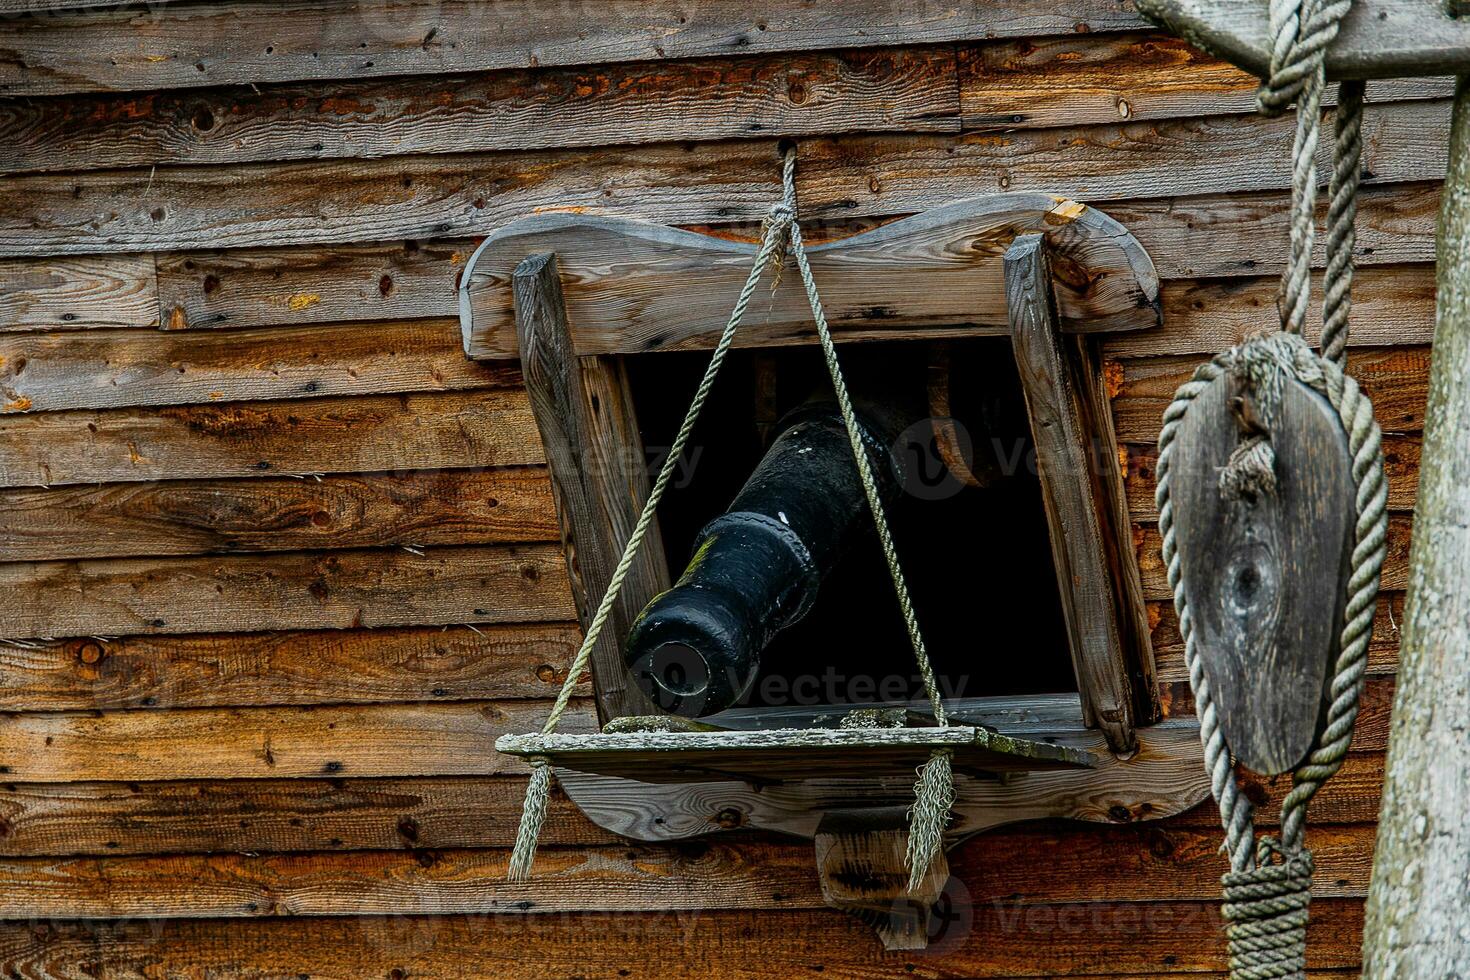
(977, 558)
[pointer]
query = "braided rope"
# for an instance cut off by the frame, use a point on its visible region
(1267, 891)
(1342, 215)
(934, 789)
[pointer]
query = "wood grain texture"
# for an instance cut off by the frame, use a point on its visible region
(1378, 38)
(269, 286)
(400, 433)
(1002, 939)
(277, 816)
(431, 507)
(595, 456)
(1392, 305)
(1071, 492)
(439, 663)
(1169, 864)
(1069, 80)
(270, 742)
(634, 286)
(1224, 235)
(179, 208)
(12, 7)
(1265, 573)
(292, 590)
(125, 368)
(882, 90)
(69, 294)
(1395, 378)
(199, 43)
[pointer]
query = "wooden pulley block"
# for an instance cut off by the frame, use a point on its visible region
(1265, 572)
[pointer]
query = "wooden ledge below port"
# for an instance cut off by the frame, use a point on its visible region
(783, 754)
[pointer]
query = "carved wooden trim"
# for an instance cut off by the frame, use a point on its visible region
(634, 286)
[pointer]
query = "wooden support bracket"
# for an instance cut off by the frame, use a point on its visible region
(584, 411)
(862, 865)
(1079, 515)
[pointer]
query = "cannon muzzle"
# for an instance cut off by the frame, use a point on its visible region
(696, 649)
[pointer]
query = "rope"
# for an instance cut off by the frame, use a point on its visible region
(1268, 888)
(934, 789)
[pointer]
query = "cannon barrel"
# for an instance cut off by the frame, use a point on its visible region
(696, 649)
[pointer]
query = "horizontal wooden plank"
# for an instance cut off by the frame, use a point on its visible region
(178, 208)
(1069, 80)
(1061, 865)
(1352, 795)
(364, 666)
(883, 90)
(1214, 235)
(1106, 939)
(178, 517)
(271, 743)
(279, 815)
(199, 43)
(352, 435)
(1187, 237)
(268, 286)
(1396, 378)
(1400, 463)
(127, 368)
(10, 8)
(1383, 648)
(1391, 305)
(287, 591)
(69, 294)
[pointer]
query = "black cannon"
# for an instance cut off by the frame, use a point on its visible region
(696, 649)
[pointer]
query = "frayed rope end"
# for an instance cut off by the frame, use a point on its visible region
(933, 799)
(533, 815)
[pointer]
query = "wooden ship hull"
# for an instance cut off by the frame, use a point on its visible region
(282, 563)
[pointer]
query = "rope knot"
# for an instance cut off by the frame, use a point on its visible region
(1301, 31)
(1266, 911)
(775, 229)
(1256, 374)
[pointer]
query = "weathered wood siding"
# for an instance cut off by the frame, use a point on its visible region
(279, 564)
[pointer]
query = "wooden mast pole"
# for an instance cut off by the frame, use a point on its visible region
(1417, 924)
(1416, 919)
